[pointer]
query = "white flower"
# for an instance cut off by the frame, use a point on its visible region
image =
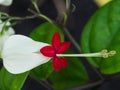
(6, 2)
(5, 34)
(21, 54)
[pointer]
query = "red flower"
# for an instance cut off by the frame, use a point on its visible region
(57, 47)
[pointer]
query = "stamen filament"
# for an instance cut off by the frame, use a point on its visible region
(103, 53)
(81, 55)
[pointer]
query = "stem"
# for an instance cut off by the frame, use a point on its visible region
(86, 86)
(30, 17)
(73, 7)
(43, 83)
(36, 6)
(61, 10)
(77, 46)
(24, 18)
(39, 13)
(46, 18)
(81, 55)
(68, 4)
(2, 13)
(65, 18)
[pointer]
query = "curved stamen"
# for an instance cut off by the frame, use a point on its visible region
(103, 53)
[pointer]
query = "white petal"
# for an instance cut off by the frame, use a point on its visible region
(6, 2)
(21, 44)
(19, 63)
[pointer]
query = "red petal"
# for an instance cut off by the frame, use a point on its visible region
(48, 51)
(56, 40)
(63, 47)
(64, 62)
(57, 64)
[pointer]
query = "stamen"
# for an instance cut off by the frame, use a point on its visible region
(106, 54)
(103, 53)
(0, 54)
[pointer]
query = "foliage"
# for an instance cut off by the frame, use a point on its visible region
(9, 81)
(102, 32)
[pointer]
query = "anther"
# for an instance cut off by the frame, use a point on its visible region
(106, 54)
(112, 53)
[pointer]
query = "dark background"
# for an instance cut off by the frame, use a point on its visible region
(84, 10)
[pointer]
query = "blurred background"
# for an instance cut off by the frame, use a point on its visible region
(83, 10)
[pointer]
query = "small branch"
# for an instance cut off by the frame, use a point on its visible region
(77, 46)
(35, 5)
(28, 17)
(48, 84)
(46, 18)
(43, 83)
(24, 18)
(86, 86)
(68, 4)
(61, 9)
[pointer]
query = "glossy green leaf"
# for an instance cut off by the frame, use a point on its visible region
(42, 72)
(103, 32)
(73, 75)
(9, 81)
(44, 33)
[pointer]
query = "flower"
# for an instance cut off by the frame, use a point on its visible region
(20, 54)
(5, 33)
(6, 2)
(57, 47)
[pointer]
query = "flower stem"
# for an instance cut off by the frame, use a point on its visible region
(35, 5)
(46, 18)
(72, 39)
(68, 4)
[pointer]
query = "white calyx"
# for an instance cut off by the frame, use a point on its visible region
(21, 54)
(6, 2)
(5, 33)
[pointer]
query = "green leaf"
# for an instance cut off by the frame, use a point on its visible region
(42, 72)
(73, 75)
(103, 32)
(9, 81)
(44, 33)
